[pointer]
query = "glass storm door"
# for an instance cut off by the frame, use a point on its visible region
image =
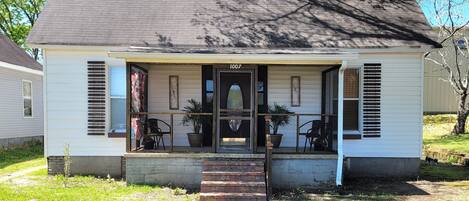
(235, 111)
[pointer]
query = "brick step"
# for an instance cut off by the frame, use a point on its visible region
(232, 196)
(232, 187)
(233, 168)
(233, 163)
(233, 176)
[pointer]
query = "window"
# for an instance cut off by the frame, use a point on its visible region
(118, 96)
(461, 43)
(27, 98)
(351, 99)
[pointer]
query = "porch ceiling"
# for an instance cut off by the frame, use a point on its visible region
(237, 56)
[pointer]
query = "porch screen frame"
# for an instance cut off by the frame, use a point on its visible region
(129, 101)
(226, 68)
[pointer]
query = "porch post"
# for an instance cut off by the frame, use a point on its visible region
(340, 124)
(128, 141)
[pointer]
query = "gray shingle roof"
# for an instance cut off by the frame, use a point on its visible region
(234, 23)
(11, 53)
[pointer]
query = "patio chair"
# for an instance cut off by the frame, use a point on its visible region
(312, 133)
(157, 128)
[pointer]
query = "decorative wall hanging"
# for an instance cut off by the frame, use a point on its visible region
(295, 91)
(174, 92)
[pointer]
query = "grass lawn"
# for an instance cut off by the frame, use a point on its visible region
(437, 137)
(37, 185)
(14, 160)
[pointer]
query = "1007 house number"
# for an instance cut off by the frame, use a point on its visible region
(235, 66)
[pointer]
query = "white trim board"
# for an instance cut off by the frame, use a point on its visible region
(20, 68)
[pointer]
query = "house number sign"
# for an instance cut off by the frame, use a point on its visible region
(235, 66)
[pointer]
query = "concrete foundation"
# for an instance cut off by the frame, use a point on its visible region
(7, 143)
(185, 170)
(88, 165)
(291, 173)
(382, 167)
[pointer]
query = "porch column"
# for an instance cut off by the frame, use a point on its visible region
(340, 124)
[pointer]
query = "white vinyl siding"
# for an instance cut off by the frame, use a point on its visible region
(190, 86)
(279, 81)
(67, 105)
(12, 120)
(401, 108)
(401, 105)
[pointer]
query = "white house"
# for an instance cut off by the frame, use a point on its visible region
(21, 112)
(118, 75)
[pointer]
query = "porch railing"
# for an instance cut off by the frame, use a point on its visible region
(324, 118)
(297, 116)
(171, 123)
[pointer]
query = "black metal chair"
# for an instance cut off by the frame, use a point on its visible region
(312, 133)
(156, 131)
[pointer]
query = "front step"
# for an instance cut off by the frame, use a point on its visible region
(233, 196)
(228, 179)
(232, 176)
(233, 186)
(233, 166)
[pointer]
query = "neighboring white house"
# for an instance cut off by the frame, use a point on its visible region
(355, 67)
(21, 109)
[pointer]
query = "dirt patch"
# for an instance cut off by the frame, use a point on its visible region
(385, 190)
(163, 194)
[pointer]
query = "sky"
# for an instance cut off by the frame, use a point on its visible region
(429, 11)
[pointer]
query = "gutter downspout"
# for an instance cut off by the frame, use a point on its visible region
(340, 126)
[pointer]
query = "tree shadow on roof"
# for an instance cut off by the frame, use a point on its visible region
(306, 24)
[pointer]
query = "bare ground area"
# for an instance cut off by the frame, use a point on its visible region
(436, 182)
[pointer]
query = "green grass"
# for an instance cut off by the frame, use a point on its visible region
(37, 185)
(86, 188)
(444, 172)
(29, 155)
(437, 135)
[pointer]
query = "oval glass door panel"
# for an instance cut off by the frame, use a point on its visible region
(234, 105)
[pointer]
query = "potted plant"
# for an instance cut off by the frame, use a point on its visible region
(148, 143)
(195, 138)
(278, 121)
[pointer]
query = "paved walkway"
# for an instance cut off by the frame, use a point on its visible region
(20, 173)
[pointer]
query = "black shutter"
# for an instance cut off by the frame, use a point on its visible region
(96, 98)
(372, 100)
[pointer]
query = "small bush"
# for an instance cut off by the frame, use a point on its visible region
(439, 119)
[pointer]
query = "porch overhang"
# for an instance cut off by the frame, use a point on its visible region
(292, 57)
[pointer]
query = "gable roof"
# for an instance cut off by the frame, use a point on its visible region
(12, 54)
(234, 23)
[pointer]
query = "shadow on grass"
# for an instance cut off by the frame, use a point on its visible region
(443, 172)
(26, 152)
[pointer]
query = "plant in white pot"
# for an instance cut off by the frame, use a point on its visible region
(195, 137)
(278, 121)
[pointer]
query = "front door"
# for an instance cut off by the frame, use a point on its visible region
(235, 111)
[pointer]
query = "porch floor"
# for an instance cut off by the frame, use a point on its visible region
(208, 149)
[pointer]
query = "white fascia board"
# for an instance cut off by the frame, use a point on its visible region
(20, 68)
(319, 58)
(425, 48)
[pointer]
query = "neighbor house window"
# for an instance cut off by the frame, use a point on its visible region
(461, 43)
(117, 95)
(351, 99)
(27, 98)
